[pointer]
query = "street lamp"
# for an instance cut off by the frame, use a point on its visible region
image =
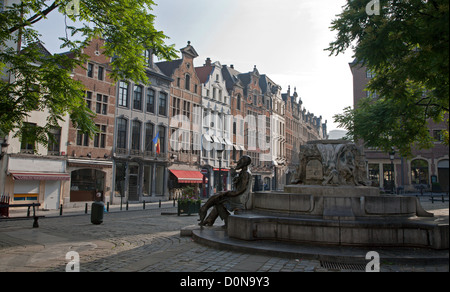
(219, 156)
(392, 157)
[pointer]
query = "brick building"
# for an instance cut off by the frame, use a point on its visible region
(185, 129)
(423, 169)
(89, 159)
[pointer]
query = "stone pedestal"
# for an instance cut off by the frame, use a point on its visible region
(330, 218)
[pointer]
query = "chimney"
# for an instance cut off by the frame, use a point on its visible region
(232, 66)
(208, 62)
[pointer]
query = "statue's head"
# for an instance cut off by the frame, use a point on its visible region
(243, 162)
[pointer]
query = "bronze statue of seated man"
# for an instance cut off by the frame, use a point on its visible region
(230, 201)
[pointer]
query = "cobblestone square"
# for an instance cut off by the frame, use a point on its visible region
(146, 241)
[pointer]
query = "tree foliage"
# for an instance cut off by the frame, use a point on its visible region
(34, 80)
(406, 46)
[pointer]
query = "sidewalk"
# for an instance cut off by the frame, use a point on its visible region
(428, 201)
(81, 210)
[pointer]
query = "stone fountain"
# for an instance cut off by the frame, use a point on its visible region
(331, 202)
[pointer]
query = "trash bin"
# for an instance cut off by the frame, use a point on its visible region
(97, 213)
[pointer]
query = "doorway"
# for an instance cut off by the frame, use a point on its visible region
(52, 194)
(133, 181)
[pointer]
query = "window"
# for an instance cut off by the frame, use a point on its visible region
(238, 102)
(123, 94)
(188, 82)
(136, 136)
(374, 174)
(90, 70)
(82, 139)
(27, 131)
(150, 100)
(102, 104)
(176, 107)
(100, 138)
(101, 73)
(419, 171)
(178, 82)
(187, 109)
(162, 138)
(149, 129)
(438, 135)
(137, 100)
(122, 126)
(148, 58)
(162, 104)
(89, 99)
(54, 143)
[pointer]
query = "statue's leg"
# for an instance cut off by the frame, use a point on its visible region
(211, 219)
(223, 213)
(204, 209)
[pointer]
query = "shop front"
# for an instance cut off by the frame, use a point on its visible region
(45, 186)
(139, 181)
(180, 179)
(87, 178)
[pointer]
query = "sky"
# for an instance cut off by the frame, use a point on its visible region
(285, 39)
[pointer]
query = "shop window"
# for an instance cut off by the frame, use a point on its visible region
(419, 172)
(374, 174)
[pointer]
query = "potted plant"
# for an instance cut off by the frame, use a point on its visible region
(189, 203)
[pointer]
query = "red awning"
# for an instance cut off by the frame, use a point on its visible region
(40, 176)
(188, 176)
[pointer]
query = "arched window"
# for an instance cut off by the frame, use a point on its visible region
(188, 82)
(419, 172)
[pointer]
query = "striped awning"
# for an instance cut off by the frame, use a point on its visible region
(40, 176)
(188, 176)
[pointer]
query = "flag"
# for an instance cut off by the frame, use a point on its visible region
(157, 143)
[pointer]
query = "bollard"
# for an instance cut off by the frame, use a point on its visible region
(107, 207)
(86, 208)
(143, 205)
(61, 210)
(174, 202)
(126, 208)
(160, 204)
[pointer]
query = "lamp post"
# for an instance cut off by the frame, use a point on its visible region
(392, 157)
(219, 156)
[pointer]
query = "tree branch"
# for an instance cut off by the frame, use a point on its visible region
(35, 18)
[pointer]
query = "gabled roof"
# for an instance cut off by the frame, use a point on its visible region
(190, 51)
(204, 72)
(168, 67)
